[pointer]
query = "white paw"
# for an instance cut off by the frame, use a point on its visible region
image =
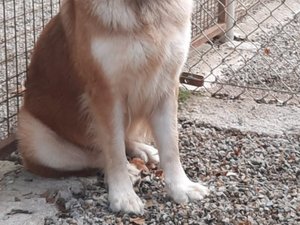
(143, 151)
(187, 191)
(126, 201)
(134, 173)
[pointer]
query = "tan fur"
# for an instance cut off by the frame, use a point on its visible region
(101, 73)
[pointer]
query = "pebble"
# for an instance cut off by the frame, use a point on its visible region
(89, 202)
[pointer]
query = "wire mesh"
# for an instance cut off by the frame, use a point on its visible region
(20, 25)
(203, 21)
(261, 61)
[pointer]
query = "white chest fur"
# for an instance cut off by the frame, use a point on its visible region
(127, 55)
(119, 55)
(124, 61)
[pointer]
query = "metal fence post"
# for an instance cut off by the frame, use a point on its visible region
(221, 11)
(227, 15)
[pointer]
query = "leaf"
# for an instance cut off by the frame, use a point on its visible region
(139, 164)
(247, 222)
(149, 204)
(238, 152)
(220, 173)
(159, 173)
(151, 166)
(137, 221)
(267, 51)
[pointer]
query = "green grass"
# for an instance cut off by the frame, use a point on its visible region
(184, 95)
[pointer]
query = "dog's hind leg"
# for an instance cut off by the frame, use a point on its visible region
(45, 153)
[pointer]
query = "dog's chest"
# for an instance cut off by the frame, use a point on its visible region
(132, 58)
(119, 55)
(142, 70)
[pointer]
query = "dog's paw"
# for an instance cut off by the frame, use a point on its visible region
(187, 191)
(134, 174)
(127, 202)
(143, 151)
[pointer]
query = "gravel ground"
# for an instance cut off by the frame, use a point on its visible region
(254, 179)
(276, 66)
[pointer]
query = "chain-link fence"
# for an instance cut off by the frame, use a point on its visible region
(259, 58)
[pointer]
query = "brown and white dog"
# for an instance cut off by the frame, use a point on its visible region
(102, 72)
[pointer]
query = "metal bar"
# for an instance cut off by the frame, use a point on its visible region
(33, 22)
(16, 53)
(192, 79)
(230, 19)
(25, 33)
(6, 67)
(221, 11)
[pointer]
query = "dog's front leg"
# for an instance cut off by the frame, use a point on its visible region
(164, 127)
(108, 129)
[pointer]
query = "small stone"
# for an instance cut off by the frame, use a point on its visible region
(89, 202)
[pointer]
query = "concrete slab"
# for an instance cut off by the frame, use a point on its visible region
(245, 115)
(22, 195)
